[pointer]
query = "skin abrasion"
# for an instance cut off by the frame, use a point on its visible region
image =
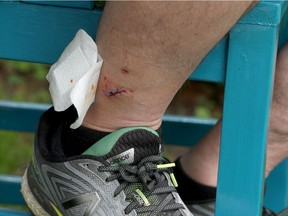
(114, 92)
(109, 90)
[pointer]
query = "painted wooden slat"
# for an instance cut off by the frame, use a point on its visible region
(213, 66)
(46, 31)
(18, 116)
(40, 33)
(185, 130)
(25, 116)
(283, 30)
(276, 194)
(10, 190)
(266, 13)
(10, 212)
(73, 4)
(248, 92)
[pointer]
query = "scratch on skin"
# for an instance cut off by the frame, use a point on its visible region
(124, 70)
(111, 89)
(114, 92)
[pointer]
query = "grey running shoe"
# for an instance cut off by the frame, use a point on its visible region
(208, 209)
(121, 174)
(202, 209)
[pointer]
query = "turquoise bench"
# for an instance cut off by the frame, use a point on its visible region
(244, 60)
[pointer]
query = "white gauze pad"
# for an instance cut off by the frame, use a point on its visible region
(73, 78)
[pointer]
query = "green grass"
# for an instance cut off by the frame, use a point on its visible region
(15, 151)
(20, 82)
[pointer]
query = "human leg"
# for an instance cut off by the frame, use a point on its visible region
(160, 49)
(277, 149)
(145, 47)
(201, 163)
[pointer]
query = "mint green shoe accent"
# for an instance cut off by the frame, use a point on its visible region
(104, 146)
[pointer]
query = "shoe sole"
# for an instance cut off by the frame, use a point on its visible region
(29, 198)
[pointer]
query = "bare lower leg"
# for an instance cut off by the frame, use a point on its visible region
(201, 163)
(277, 149)
(149, 50)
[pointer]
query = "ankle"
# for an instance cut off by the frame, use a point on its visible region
(200, 192)
(109, 124)
(196, 168)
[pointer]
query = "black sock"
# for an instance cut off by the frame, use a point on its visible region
(190, 191)
(76, 141)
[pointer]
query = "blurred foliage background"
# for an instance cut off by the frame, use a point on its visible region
(21, 81)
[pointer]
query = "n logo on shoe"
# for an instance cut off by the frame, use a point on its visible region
(92, 198)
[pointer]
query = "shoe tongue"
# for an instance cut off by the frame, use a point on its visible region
(127, 145)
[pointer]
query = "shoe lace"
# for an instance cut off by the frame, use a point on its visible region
(150, 173)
